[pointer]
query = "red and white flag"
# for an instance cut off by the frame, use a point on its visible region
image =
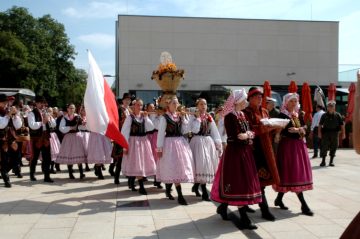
(101, 110)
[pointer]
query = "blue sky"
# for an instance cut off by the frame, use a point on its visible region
(91, 24)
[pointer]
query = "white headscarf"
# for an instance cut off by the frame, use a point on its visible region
(235, 97)
(286, 99)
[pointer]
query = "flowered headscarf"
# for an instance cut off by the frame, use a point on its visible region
(235, 97)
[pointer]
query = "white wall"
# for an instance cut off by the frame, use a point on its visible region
(227, 51)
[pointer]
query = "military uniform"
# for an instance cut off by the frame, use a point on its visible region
(330, 125)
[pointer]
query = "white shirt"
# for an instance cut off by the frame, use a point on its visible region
(4, 121)
(316, 119)
(36, 125)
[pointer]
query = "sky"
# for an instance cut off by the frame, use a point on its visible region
(90, 24)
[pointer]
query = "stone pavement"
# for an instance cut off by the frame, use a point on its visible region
(91, 208)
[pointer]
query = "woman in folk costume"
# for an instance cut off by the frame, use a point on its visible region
(292, 156)
(236, 182)
(152, 135)
(54, 141)
(204, 143)
(138, 160)
(72, 149)
(98, 147)
(176, 164)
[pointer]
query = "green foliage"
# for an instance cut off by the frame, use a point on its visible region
(35, 53)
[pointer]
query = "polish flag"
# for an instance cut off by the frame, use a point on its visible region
(101, 110)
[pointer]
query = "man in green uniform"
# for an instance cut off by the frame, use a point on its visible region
(330, 124)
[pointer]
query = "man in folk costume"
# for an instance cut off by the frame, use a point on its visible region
(329, 126)
(262, 145)
(117, 153)
(8, 119)
(39, 124)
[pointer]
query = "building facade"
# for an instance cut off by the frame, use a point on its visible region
(224, 52)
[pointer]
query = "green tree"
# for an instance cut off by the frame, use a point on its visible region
(36, 53)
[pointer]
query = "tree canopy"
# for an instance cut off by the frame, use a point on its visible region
(36, 53)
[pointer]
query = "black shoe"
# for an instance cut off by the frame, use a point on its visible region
(195, 189)
(158, 185)
(142, 191)
(307, 211)
(245, 222)
(222, 210)
(87, 169)
(32, 178)
(99, 173)
(82, 176)
(116, 181)
(48, 180)
(19, 175)
(168, 191)
(131, 182)
(181, 200)
(247, 225)
(169, 196)
(7, 184)
(266, 214)
(314, 156)
(205, 195)
(57, 167)
(331, 164)
(71, 176)
(52, 171)
(249, 209)
(280, 204)
(322, 164)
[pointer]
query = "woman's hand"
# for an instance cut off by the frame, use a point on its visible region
(243, 136)
(293, 130)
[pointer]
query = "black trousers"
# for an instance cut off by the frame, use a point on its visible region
(329, 142)
(5, 162)
(46, 158)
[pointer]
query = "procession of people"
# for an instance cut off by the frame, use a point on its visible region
(234, 151)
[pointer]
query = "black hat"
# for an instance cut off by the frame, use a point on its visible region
(126, 95)
(3, 98)
(40, 99)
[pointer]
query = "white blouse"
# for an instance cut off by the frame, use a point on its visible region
(63, 128)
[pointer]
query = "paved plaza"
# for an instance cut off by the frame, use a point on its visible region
(92, 208)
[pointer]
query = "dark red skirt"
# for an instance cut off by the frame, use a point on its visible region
(236, 180)
(294, 166)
